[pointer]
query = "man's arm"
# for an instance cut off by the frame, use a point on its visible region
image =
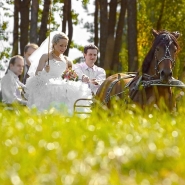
(78, 70)
(101, 75)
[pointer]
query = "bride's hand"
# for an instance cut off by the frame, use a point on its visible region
(85, 79)
(47, 68)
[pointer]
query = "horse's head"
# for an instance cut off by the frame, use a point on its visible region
(162, 53)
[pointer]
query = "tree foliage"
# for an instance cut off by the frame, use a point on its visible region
(161, 15)
(120, 29)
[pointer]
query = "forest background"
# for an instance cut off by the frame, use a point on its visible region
(120, 28)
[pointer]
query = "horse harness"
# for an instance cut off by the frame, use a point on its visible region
(139, 82)
(150, 79)
(113, 83)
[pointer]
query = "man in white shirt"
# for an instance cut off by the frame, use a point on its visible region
(28, 50)
(11, 87)
(88, 72)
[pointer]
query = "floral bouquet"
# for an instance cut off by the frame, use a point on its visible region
(70, 74)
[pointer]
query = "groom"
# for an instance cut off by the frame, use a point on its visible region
(88, 72)
(28, 50)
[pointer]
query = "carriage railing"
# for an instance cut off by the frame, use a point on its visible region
(76, 106)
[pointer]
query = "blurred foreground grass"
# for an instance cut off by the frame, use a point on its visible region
(128, 146)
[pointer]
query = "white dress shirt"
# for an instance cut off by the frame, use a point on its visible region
(11, 89)
(95, 72)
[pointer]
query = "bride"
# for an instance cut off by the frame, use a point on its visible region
(45, 88)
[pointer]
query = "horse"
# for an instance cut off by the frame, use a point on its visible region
(153, 83)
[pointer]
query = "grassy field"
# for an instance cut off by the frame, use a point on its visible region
(125, 146)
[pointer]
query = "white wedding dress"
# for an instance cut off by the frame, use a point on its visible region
(49, 90)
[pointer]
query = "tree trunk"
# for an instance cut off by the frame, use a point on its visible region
(64, 21)
(103, 30)
(34, 20)
(70, 26)
(132, 36)
(24, 25)
(118, 40)
(112, 17)
(44, 21)
(110, 39)
(16, 28)
(96, 23)
(160, 15)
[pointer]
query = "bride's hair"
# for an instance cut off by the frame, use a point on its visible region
(37, 54)
(59, 36)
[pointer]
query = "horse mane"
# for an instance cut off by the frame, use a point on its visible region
(157, 40)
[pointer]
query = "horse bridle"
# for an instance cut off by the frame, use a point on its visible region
(167, 54)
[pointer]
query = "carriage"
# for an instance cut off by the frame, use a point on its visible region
(153, 83)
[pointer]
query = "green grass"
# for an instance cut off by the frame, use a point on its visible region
(125, 146)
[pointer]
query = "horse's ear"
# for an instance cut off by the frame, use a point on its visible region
(155, 33)
(176, 34)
